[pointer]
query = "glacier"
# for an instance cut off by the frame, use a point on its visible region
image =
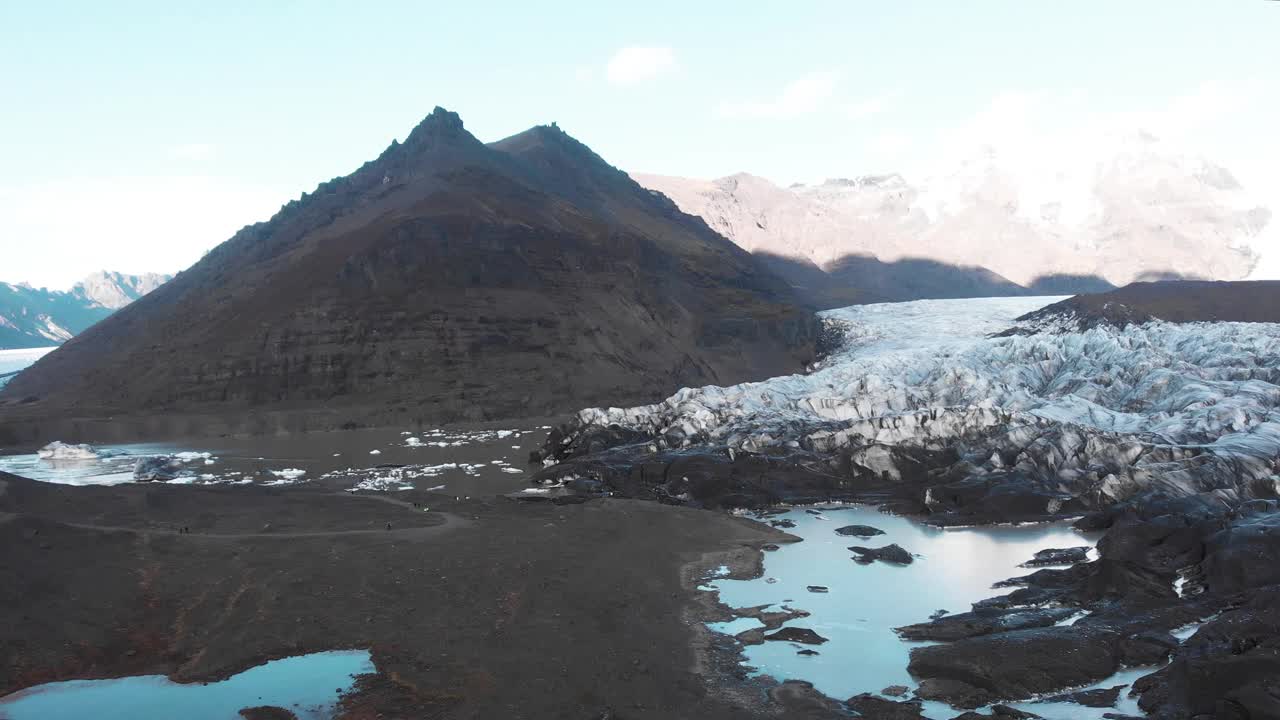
(1101, 413)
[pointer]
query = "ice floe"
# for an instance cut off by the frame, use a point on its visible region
(58, 450)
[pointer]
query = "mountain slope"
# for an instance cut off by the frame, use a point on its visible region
(989, 227)
(444, 280)
(36, 317)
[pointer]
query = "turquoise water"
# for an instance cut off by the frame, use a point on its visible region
(953, 569)
(307, 685)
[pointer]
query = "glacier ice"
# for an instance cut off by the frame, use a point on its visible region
(58, 450)
(1182, 407)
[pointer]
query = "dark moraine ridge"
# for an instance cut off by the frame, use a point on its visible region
(1176, 301)
(447, 280)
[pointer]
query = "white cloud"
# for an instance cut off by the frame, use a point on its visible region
(193, 151)
(889, 143)
(865, 108)
(802, 96)
(54, 233)
(632, 65)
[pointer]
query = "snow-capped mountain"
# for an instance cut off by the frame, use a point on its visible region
(1135, 212)
(114, 290)
(38, 317)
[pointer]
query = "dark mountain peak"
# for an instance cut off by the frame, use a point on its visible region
(563, 165)
(548, 141)
(440, 125)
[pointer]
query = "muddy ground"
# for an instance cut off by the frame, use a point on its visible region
(474, 609)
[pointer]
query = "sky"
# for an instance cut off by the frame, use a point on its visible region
(135, 136)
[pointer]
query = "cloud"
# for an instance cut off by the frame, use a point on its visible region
(805, 95)
(56, 232)
(889, 143)
(632, 65)
(193, 151)
(865, 108)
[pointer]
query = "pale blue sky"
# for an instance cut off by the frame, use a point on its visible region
(136, 135)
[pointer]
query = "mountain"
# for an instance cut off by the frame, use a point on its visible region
(445, 280)
(114, 290)
(989, 226)
(36, 317)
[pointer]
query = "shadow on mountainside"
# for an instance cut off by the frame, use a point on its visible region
(857, 279)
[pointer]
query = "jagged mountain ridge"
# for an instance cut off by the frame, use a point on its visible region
(445, 280)
(38, 317)
(988, 228)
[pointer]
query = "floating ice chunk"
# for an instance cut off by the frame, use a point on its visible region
(375, 452)
(191, 456)
(289, 473)
(512, 470)
(412, 441)
(58, 450)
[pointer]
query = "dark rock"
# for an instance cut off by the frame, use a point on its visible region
(896, 691)
(1059, 556)
(804, 636)
(1230, 668)
(953, 692)
(869, 706)
(862, 531)
(1100, 698)
(784, 523)
(754, 636)
(983, 622)
(1147, 648)
(1017, 664)
(889, 553)
(807, 652)
(818, 588)
(267, 712)
(799, 699)
(771, 619)
(770, 547)
(939, 614)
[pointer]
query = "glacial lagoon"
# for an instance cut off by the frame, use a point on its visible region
(953, 568)
(306, 685)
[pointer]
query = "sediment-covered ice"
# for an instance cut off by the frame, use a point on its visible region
(1188, 404)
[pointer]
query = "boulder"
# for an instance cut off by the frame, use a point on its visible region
(1059, 556)
(889, 553)
(861, 531)
(870, 706)
(804, 636)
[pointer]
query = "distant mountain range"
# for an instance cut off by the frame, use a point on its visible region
(989, 227)
(447, 279)
(37, 317)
